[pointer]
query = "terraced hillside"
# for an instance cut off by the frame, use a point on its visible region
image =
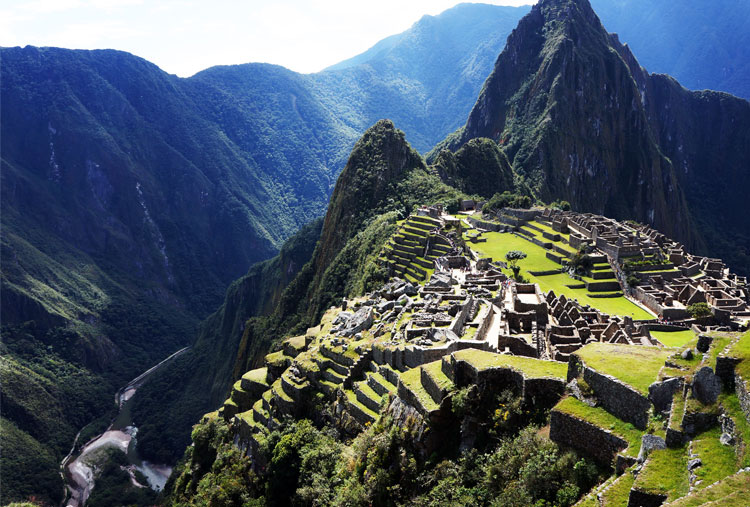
(438, 355)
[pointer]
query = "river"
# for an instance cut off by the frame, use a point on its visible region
(79, 471)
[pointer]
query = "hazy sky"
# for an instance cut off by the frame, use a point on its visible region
(185, 36)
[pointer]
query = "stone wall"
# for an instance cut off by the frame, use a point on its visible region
(743, 394)
(592, 440)
(616, 397)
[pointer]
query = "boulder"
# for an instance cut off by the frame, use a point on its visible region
(360, 321)
(687, 354)
(661, 393)
(704, 342)
(342, 318)
(706, 386)
(694, 463)
(649, 443)
(410, 290)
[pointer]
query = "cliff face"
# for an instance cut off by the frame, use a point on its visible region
(580, 120)
(564, 107)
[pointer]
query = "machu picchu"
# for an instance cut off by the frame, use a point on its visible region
(615, 392)
(493, 260)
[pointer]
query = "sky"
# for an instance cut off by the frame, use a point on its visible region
(186, 36)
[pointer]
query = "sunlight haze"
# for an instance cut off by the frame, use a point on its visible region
(183, 37)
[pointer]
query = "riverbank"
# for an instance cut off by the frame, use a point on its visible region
(79, 472)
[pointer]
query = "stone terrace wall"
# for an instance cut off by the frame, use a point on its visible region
(598, 443)
(616, 397)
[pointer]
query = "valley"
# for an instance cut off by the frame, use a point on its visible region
(535, 292)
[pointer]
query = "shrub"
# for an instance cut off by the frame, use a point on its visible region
(699, 310)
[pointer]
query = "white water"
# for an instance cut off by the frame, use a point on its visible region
(121, 435)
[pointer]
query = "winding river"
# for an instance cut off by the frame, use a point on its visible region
(78, 471)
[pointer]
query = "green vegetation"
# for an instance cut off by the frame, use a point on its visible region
(665, 472)
(699, 310)
(412, 379)
(731, 405)
(114, 487)
(719, 461)
(530, 367)
(600, 417)
(498, 245)
(673, 338)
(733, 491)
(636, 366)
(507, 200)
(308, 466)
(617, 495)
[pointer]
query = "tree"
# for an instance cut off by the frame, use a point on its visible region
(699, 310)
(513, 257)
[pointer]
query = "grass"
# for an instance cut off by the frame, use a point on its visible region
(636, 365)
(665, 472)
(354, 401)
(741, 350)
(733, 491)
(603, 419)
(678, 410)
(718, 344)
(530, 367)
(368, 391)
(435, 371)
(617, 495)
(731, 405)
(257, 375)
(412, 379)
(498, 244)
(673, 338)
(719, 461)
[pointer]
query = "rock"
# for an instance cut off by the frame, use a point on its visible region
(687, 354)
(706, 386)
(385, 306)
(704, 342)
(649, 443)
(661, 393)
(694, 463)
(410, 290)
(726, 439)
(342, 318)
(360, 321)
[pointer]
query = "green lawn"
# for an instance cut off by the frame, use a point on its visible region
(498, 244)
(741, 350)
(665, 472)
(413, 380)
(673, 338)
(733, 491)
(617, 495)
(719, 461)
(603, 419)
(482, 360)
(636, 365)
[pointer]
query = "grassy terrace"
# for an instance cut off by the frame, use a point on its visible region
(665, 473)
(603, 419)
(733, 491)
(719, 461)
(498, 244)
(673, 338)
(482, 360)
(617, 495)
(636, 365)
(731, 404)
(412, 379)
(741, 350)
(257, 375)
(434, 370)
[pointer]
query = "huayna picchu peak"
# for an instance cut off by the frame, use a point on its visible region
(483, 265)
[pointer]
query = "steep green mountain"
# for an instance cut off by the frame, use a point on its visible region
(382, 181)
(703, 44)
(580, 120)
(132, 198)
